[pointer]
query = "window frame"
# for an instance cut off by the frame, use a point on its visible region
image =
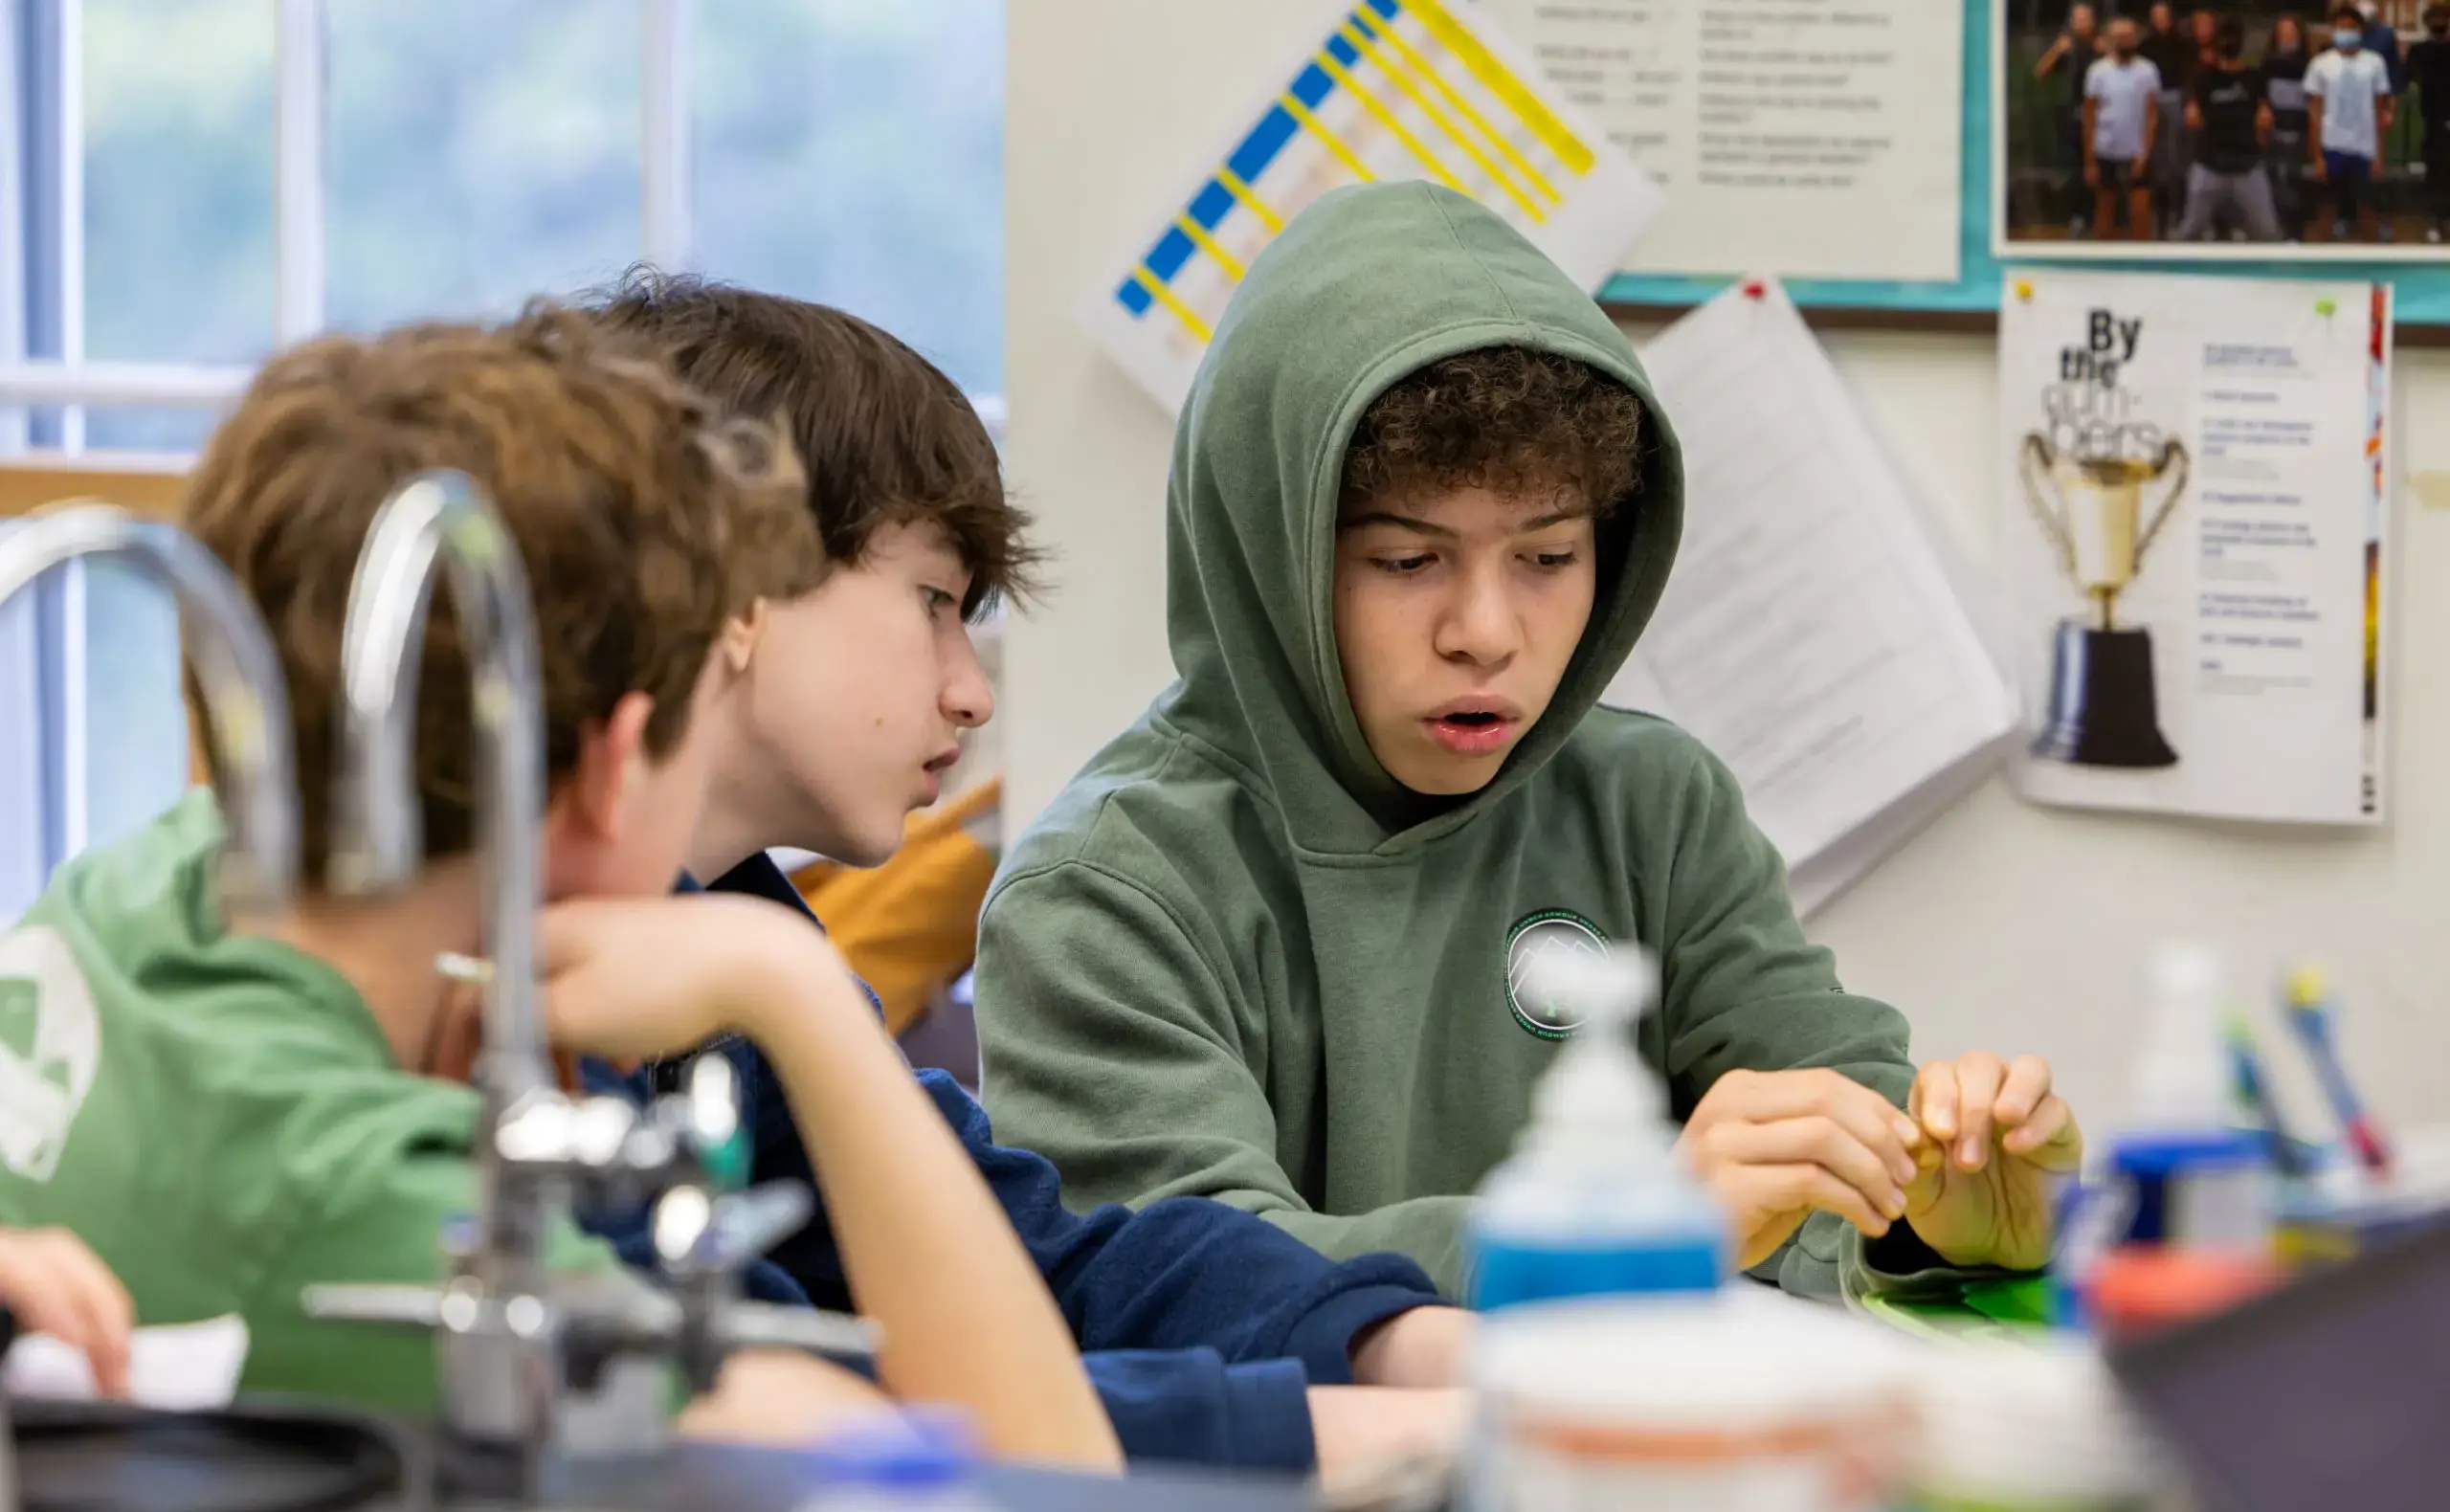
(45, 381)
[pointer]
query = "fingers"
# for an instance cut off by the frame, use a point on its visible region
(1818, 1140)
(1797, 1188)
(2026, 1085)
(1766, 1096)
(2050, 1138)
(110, 1317)
(49, 1278)
(1979, 1075)
(1954, 1098)
(1934, 1100)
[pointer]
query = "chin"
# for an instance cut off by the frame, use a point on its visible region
(870, 850)
(1451, 779)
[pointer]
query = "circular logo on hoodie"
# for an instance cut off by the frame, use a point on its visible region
(1534, 937)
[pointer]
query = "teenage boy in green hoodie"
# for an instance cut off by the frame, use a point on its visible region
(1263, 947)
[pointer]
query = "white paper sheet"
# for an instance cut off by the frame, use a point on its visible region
(1809, 636)
(2251, 415)
(1394, 90)
(1816, 140)
(180, 1367)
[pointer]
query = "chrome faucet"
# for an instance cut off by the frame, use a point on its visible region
(246, 703)
(500, 1382)
(535, 1369)
(378, 826)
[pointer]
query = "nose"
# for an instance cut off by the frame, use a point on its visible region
(1478, 625)
(968, 698)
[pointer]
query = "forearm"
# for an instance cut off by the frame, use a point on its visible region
(964, 1316)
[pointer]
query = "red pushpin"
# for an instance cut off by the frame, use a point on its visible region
(1755, 289)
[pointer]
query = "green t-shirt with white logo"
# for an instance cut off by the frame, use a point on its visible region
(220, 1118)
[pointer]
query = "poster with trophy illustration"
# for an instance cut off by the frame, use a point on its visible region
(2195, 518)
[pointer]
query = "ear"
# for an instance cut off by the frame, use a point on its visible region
(592, 806)
(742, 635)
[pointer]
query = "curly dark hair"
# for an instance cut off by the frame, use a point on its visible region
(1521, 423)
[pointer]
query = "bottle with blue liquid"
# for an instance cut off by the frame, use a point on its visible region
(1593, 1201)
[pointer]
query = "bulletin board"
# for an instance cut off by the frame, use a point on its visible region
(1972, 302)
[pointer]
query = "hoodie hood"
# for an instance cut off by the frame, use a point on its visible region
(1366, 286)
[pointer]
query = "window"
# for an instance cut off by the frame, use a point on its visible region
(443, 158)
(851, 153)
(479, 152)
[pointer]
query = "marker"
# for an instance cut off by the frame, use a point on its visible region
(2309, 1014)
(2255, 1094)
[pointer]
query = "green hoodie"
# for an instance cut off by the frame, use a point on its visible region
(1235, 957)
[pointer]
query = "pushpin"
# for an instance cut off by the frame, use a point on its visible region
(2326, 307)
(2024, 289)
(1755, 289)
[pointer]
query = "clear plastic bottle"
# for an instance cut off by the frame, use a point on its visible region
(1593, 1201)
(2198, 1179)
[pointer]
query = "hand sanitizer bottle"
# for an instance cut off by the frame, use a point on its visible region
(2199, 1181)
(1593, 1201)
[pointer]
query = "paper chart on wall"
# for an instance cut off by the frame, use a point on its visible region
(1812, 635)
(1808, 141)
(1394, 90)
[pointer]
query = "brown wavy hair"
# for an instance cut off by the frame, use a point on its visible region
(1524, 424)
(888, 439)
(643, 517)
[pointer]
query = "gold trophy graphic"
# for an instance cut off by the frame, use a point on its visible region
(2103, 711)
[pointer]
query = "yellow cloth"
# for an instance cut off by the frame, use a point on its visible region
(910, 927)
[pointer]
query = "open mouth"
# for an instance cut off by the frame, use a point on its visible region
(1473, 731)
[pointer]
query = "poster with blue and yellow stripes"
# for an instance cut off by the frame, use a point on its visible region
(1397, 89)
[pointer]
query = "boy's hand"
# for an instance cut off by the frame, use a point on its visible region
(632, 978)
(55, 1285)
(1998, 1136)
(1424, 1348)
(1366, 1432)
(1773, 1146)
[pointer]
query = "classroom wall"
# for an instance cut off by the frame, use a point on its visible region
(2001, 925)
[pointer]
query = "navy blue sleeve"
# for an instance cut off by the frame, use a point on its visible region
(1186, 1272)
(1190, 1406)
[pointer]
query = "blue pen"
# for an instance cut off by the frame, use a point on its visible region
(2255, 1094)
(2309, 1014)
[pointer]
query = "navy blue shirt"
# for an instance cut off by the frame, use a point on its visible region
(1202, 1326)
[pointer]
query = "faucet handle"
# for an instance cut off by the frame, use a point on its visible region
(698, 1234)
(710, 1114)
(397, 1306)
(840, 1337)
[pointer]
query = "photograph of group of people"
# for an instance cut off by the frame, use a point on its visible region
(2327, 130)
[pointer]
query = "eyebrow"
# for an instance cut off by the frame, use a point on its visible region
(1423, 528)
